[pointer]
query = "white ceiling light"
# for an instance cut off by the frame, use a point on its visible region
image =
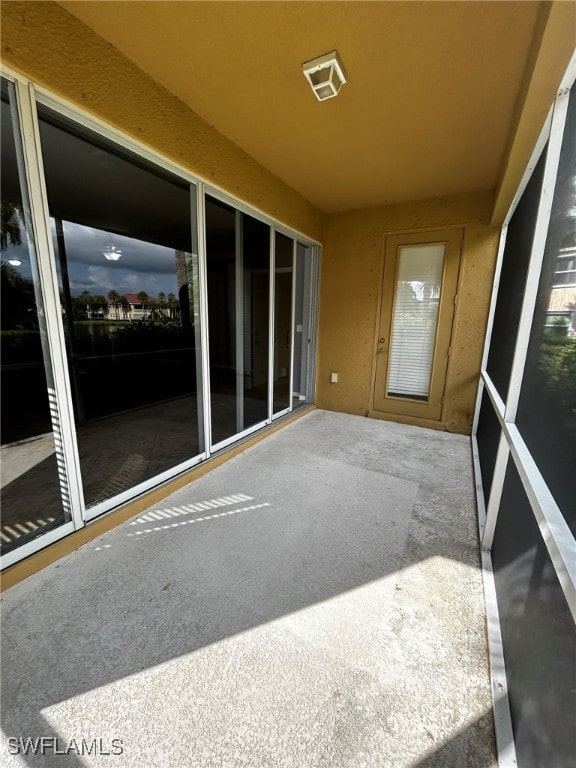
(326, 75)
(112, 253)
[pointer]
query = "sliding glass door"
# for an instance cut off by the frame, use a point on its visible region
(302, 373)
(283, 279)
(128, 274)
(259, 321)
(131, 348)
(238, 270)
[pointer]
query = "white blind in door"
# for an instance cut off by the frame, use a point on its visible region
(415, 319)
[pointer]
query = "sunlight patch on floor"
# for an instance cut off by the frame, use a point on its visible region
(380, 671)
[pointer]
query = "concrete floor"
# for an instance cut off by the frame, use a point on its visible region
(116, 453)
(316, 602)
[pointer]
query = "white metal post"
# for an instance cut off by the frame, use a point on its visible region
(489, 325)
(205, 416)
(239, 312)
(495, 492)
(292, 325)
(272, 322)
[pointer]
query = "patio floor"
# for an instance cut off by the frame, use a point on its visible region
(316, 602)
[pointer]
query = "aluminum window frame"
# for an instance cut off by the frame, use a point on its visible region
(284, 411)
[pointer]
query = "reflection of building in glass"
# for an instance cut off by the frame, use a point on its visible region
(136, 308)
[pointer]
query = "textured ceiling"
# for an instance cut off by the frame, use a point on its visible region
(426, 112)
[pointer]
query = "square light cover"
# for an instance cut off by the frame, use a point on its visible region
(325, 75)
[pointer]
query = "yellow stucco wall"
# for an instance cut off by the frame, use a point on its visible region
(350, 290)
(50, 46)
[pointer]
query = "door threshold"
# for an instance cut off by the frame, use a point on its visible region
(416, 421)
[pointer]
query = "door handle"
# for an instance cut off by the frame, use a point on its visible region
(381, 350)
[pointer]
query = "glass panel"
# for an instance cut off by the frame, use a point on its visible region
(301, 363)
(537, 631)
(513, 281)
(282, 321)
(255, 322)
(31, 488)
(238, 267)
(547, 408)
(488, 436)
(128, 276)
(221, 270)
(414, 320)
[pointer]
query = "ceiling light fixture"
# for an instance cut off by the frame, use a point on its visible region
(326, 75)
(15, 262)
(112, 253)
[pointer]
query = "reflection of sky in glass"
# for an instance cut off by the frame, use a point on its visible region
(142, 267)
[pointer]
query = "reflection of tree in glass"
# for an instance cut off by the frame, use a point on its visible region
(85, 300)
(418, 303)
(115, 298)
(557, 374)
(99, 304)
(183, 291)
(172, 304)
(193, 288)
(20, 337)
(18, 302)
(10, 225)
(144, 299)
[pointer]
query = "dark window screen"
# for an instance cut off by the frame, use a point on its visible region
(538, 635)
(547, 408)
(513, 281)
(488, 436)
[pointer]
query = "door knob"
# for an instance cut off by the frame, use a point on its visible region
(381, 341)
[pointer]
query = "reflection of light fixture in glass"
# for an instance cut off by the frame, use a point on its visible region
(112, 253)
(14, 262)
